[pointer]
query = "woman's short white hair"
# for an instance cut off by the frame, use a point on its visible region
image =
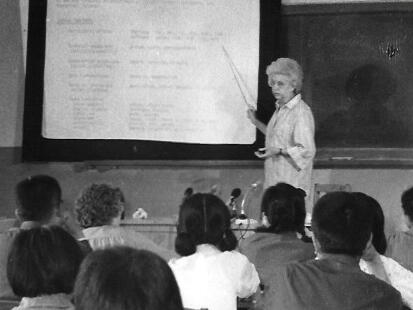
(290, 68)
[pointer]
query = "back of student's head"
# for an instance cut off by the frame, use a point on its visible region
(38, 198)
(376, 212)
(123, 278)
(98, 205)
(341, 223)
(204, 219)
(407, 203)
(43, 261)
(284, 207)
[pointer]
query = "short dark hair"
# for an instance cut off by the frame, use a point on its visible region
(37, 197)
(376, 212)
(341, 223)
(98, 204)
(284, 206)
(43, 261)
(204, 218)
(407, 203)
(123, 278)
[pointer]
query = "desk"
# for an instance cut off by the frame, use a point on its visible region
(163, 230)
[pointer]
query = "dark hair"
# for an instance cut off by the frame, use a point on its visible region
(43, 261)
(98, 204)
(376, 212)
(37, 197)
(204, 218)
(123, 278)
(341, 223)
(284, 206)
(407, 203)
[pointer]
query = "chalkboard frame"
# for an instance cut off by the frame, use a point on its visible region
(38, 148)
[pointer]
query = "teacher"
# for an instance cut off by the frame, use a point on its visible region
(289, 135)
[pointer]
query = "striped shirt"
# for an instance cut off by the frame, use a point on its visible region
(291, 128)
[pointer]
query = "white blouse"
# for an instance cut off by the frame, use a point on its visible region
(213, 279)
(392, 272)
(101, 237)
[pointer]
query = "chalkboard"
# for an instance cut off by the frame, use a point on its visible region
(37, 148)
(357, 61)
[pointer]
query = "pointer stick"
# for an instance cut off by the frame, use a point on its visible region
(240, 82)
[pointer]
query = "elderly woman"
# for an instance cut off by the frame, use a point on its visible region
(99, 209)
(342, 226)
(289, 144)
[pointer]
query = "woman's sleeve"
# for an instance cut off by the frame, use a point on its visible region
(248, 279)
(303, 148)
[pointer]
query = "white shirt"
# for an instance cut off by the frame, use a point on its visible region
(397, 276)
(213, 279)
(101, 237)
(47, 302)
(292, 128)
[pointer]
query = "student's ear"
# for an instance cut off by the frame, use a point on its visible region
(17, 213)
(369, 253)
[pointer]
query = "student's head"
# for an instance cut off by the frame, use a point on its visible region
(341, 224)
(123, 278)
(98, 205)
(407, 206)
(285, 71)
(376, 212)
(38, 199)
(43, 261)
(283, 206)
(204, 219)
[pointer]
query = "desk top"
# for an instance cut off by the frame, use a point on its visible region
(249, 224)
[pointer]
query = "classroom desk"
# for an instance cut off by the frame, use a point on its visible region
(163, 230)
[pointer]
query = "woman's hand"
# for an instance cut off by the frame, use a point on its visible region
(266, 152)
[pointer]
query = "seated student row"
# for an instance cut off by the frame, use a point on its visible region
(205, 240)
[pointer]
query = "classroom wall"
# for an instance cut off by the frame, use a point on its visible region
(156, 189)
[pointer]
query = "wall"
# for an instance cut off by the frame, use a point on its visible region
(157, 189)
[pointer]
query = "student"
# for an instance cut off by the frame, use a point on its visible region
(99, 209)
(210, 274)
(400, 244)
(42, 266)
(276, 242)
(342, 227)
(374, 262)
(38, 202)
(124, 278)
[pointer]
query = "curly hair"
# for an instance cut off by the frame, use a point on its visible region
(98, 204)
(290, 68)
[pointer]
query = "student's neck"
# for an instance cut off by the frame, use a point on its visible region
(340, 258)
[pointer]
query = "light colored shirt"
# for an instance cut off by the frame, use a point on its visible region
(213, 279)
(101, 237)
(395, 274)
(46, 302)
(291, 128)
(400, 248)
